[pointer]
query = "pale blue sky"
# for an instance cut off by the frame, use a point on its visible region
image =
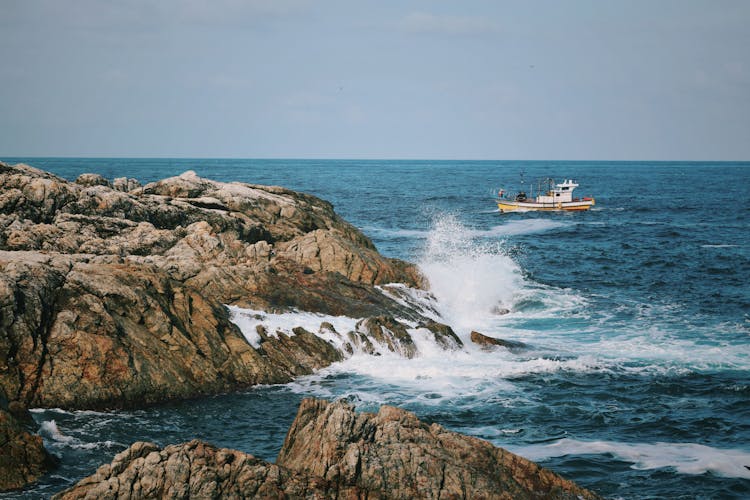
(629, 80)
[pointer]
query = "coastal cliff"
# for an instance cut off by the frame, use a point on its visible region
(332, 452)
(114, 294)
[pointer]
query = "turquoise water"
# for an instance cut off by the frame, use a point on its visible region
(637, 313)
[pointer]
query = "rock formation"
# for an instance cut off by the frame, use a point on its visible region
(333, 452)
(489, 343)
(193, 470)
(22, 456)
(113, 294)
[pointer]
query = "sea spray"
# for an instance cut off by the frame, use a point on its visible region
(470, 278)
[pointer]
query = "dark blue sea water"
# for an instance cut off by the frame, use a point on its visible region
(637, 313)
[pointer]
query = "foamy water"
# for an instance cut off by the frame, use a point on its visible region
(686, 458)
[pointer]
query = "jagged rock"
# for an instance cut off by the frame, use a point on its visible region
(23, 458)
(444, 335)
(299, 354)
(489, 343)
(332, 452)
(125, 184)
(388, 332)
(113, 298)
(194, 470)
(392, 454)
(92, 180)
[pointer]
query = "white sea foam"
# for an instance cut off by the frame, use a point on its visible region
(248, 319)
(50, 430)
(472, 277)
(509, 228)
(719, 246)
(52, 433)
(686, 458)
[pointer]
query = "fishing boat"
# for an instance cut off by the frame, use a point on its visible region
(556, 197)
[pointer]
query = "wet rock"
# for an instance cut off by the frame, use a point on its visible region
(489, 343)
(23, 458)
(392, 454)
(444, 335)
(389, 333)
(299, 354)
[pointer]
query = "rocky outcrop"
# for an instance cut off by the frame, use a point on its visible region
(489, 343)
(113, 295)
(23, 458)
(392, 454)
(333, 452)
(193, 470)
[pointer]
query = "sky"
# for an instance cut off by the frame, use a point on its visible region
(437, 79)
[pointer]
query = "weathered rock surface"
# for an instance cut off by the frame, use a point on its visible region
(193, 470)
(22, 455)
(392, 454)
(489, 343)
(333, 452)
(114, 296)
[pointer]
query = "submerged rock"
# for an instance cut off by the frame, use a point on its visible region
(491, 342)
(333, 452)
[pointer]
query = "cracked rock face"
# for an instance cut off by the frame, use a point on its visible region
(113, 294)
(333, 452)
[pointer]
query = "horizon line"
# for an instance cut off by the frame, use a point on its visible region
(86, 157)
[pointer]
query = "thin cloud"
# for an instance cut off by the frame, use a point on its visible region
(427, 23)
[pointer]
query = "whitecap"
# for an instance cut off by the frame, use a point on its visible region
(50, 430)
(685, 458)
(248, 319)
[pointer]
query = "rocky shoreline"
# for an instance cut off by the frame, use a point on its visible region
(332, 452)
(116, 295)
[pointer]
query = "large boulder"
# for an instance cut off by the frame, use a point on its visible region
(333, 452)
(392, 454)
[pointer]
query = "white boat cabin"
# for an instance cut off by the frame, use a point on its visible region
(561, 192)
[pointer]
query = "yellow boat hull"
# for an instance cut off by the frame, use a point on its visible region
(565, 206)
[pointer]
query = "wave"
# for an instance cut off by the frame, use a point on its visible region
(685, 458)
(49, 430)
(248, 319)
(510, 228)
(472, 278)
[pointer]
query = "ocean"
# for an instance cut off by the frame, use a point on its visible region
(636, 381)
